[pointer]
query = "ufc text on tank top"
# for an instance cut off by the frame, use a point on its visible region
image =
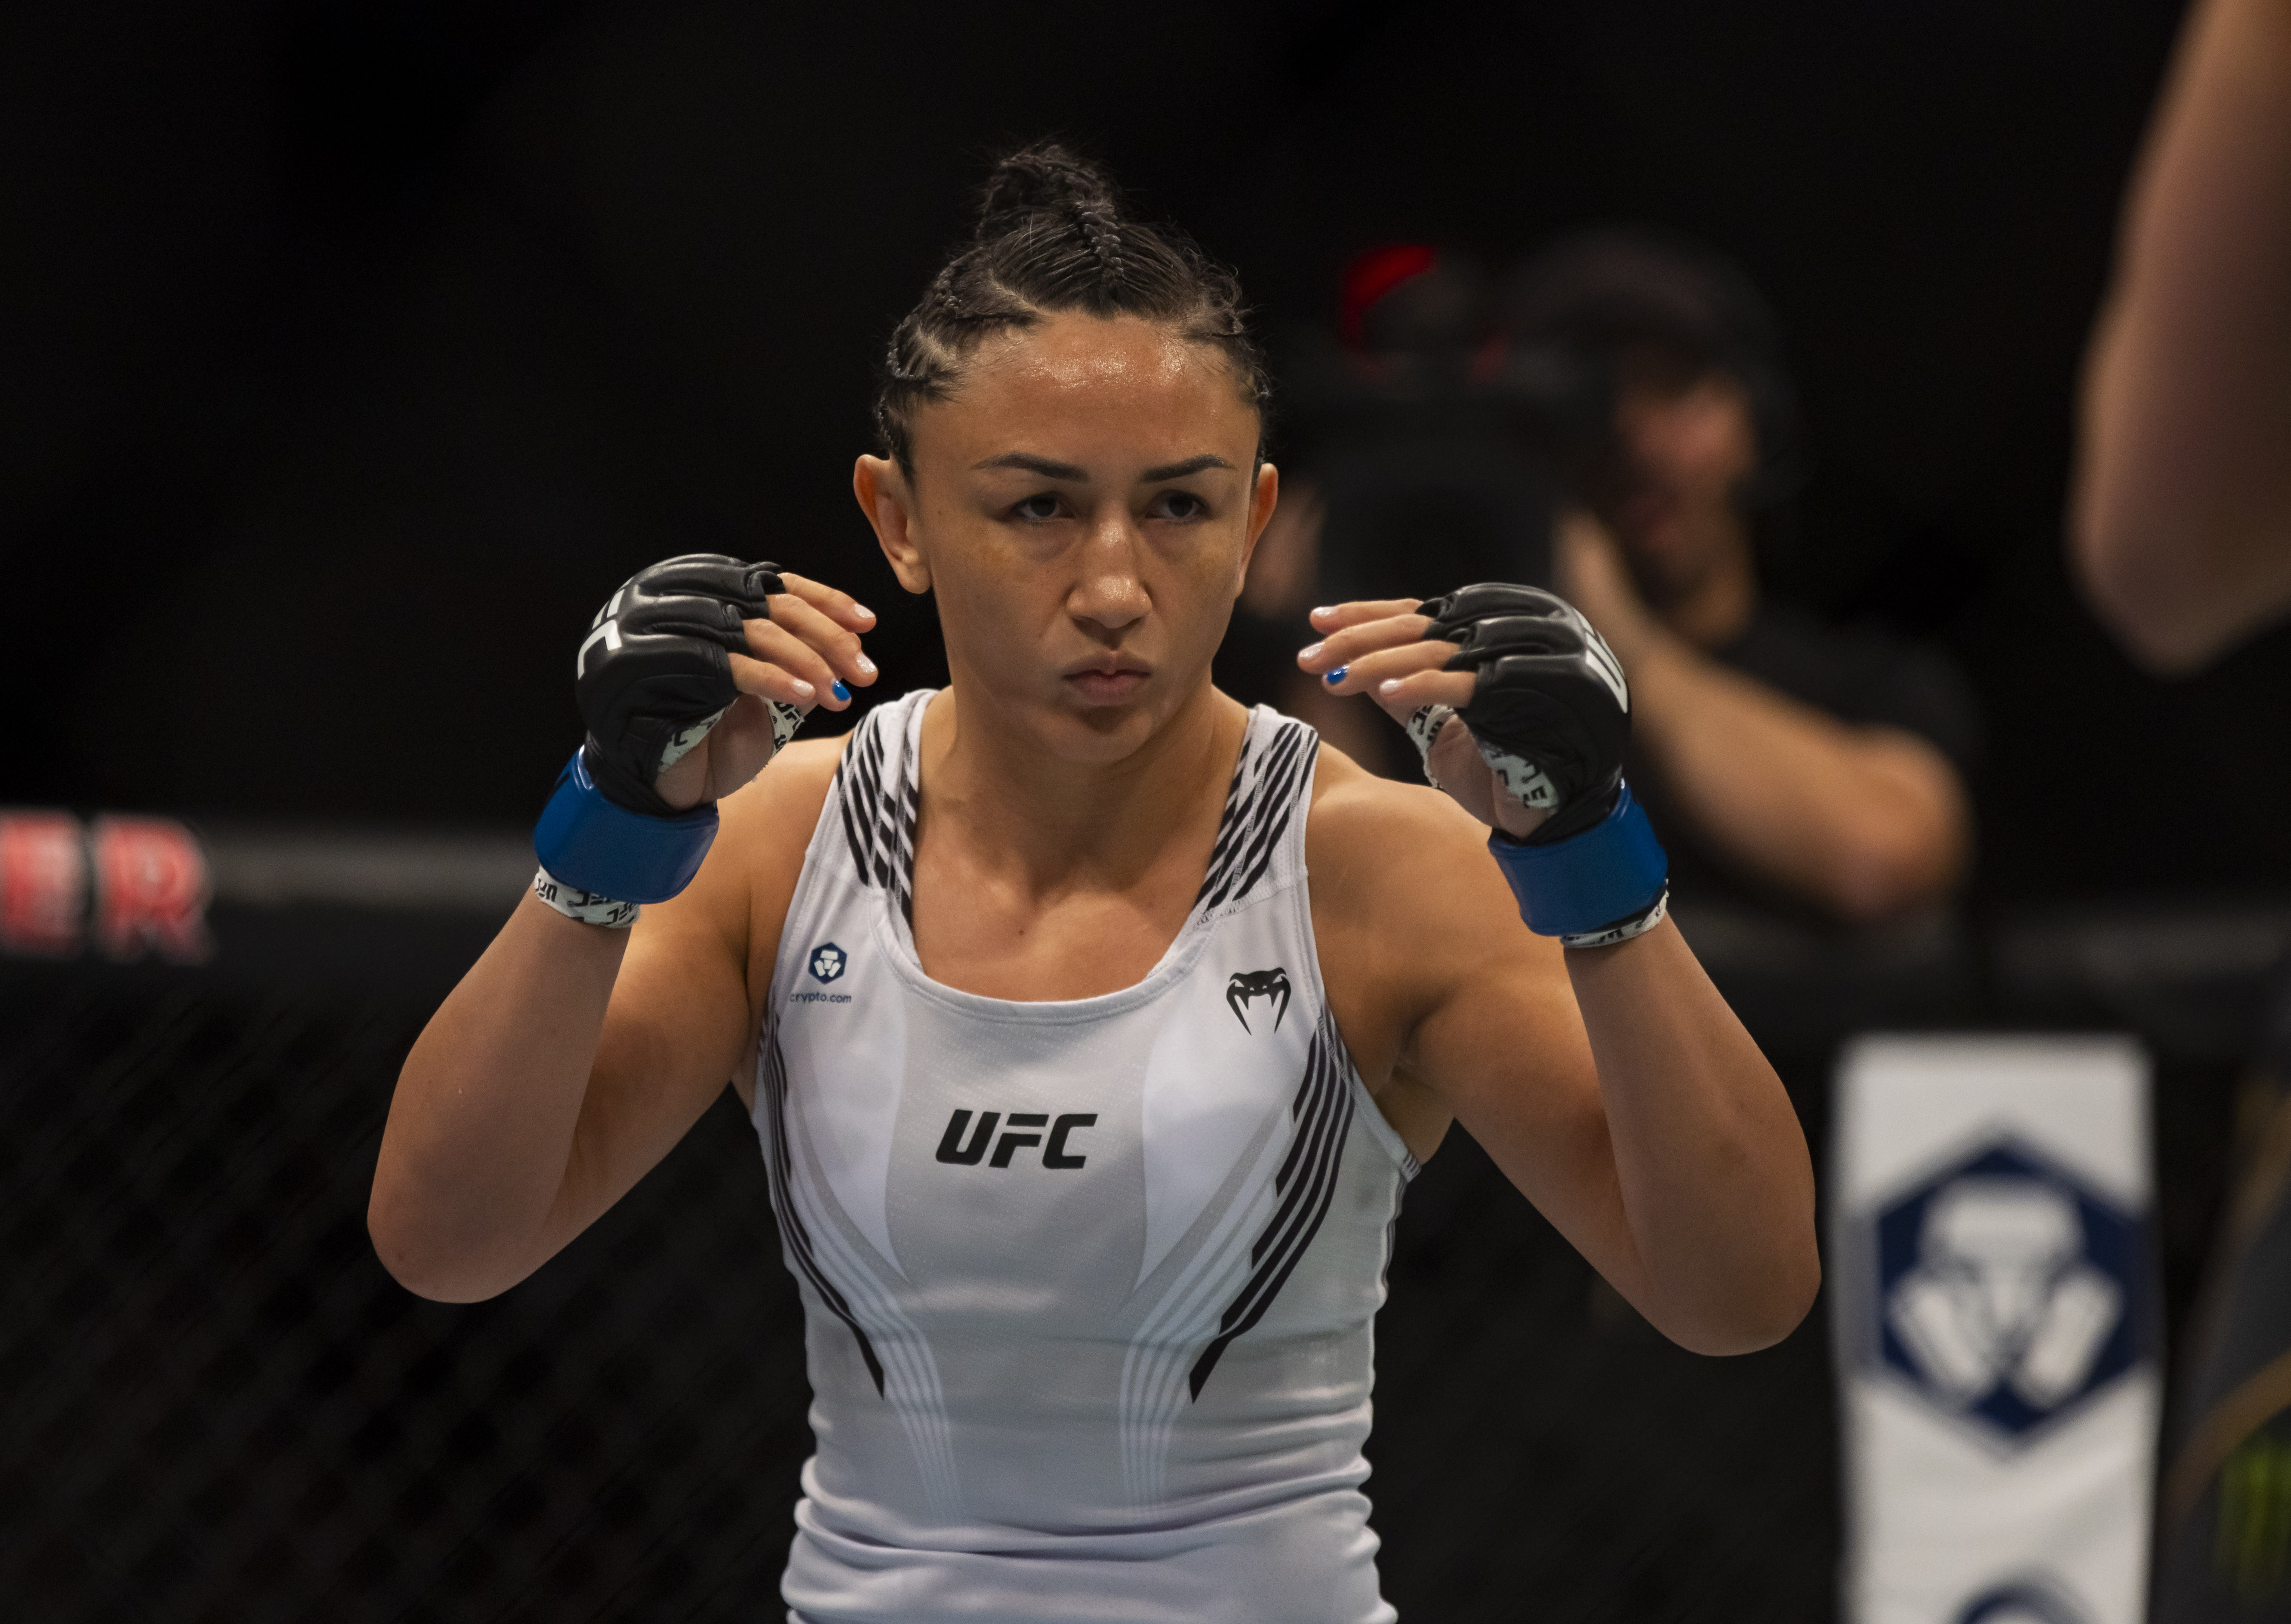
(1089, 1286)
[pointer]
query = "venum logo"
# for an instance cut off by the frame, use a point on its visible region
(2006, 1290)
(1246, 987)
(952, 1150)
(2020, 1602)
(828, 961)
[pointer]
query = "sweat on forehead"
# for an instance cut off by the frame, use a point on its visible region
(1074, 362)
(1079, 397)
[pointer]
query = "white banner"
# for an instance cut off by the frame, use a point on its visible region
(1997, 1324)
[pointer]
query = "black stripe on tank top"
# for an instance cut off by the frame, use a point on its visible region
(1257, 782)
(1292, 756)
(857, 778)
(903, 868)
(1258, 810)
(879, 823)
(1244, 806)
(1306, 1185)
(790, 1222)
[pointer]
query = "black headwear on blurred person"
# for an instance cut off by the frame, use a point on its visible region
(1573, 311)
(1410, 305)
(1422, 479)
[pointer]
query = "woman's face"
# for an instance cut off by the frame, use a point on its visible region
(1084, 508)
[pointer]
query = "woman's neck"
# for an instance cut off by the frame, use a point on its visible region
(1053, 826)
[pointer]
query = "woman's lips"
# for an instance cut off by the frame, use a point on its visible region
(1100, 687)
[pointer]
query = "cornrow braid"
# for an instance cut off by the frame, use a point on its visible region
(1103, 228)
(1053, 235)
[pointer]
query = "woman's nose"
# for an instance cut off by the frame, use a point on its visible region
(1110, 591)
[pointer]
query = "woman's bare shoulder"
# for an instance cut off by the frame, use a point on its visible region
(797, 777)
(1397, 859)
(1357, 817)
(768, 821)
(741, 896)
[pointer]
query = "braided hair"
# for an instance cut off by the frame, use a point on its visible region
(1053, 235)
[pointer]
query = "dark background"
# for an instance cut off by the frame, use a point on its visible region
(354, 351)
(351, 354)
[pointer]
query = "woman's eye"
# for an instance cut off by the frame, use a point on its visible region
(1042, 507)
(1183, 504)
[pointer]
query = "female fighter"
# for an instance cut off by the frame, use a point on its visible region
(1092, 1025)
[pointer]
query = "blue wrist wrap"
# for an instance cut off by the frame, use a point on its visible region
(585, 840)
(1597, 879)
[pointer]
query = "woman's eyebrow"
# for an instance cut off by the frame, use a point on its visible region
(1050, 469)
(1179, 470)
(1031, 464)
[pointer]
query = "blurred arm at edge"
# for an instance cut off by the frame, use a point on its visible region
(2180, 517)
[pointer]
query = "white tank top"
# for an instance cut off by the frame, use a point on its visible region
(1089, 1286)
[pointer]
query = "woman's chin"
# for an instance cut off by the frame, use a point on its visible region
(1094, 722)
(1091, 733)
(1105, 733)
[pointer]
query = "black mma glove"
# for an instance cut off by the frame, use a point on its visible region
(1549, 710)
(655, 673)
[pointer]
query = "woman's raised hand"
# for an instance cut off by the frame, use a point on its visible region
(1520, 709)
(1381, 647)
(700, 667)
(806, 655)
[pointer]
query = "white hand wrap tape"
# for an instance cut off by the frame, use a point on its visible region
(586, 906)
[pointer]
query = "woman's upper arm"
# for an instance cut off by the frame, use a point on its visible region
(687, 998)
(1479, 1012)
(1503, 1045)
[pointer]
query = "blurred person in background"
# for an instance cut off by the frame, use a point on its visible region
(2180, 533)
(1400, 466)
(2181, 517)
(1790, 764)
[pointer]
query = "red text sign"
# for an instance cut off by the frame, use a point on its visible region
(131, 885)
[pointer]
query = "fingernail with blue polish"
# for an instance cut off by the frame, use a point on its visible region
(1337, 675)
(840, 691)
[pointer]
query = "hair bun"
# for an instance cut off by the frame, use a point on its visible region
(1043, 178)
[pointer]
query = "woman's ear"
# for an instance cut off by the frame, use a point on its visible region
(1262, 500)
(885, 498)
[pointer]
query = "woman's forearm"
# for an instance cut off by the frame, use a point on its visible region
(1715, 1179)
(481, 1127)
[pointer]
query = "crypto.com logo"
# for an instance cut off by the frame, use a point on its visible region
(2006, 1290)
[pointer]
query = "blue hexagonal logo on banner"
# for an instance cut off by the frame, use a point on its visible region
(2009, 1291)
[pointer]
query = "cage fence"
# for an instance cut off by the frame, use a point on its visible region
(218, 1406)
